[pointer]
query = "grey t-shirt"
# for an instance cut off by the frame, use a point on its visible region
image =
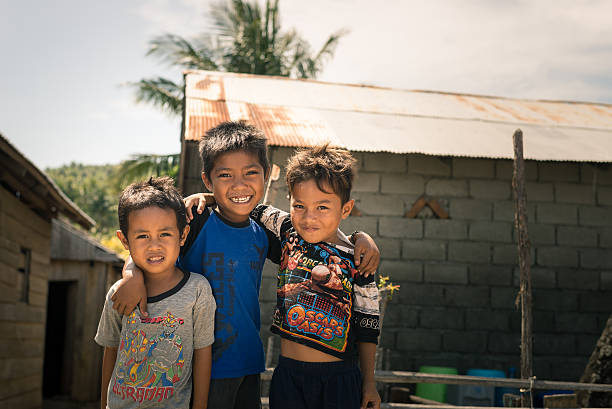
(153, 367)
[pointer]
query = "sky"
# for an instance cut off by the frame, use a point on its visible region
(65, 63)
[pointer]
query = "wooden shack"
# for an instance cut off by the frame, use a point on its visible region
(29, 202)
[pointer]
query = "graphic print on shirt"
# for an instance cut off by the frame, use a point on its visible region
(314, 293)
(148, 366)
(224, 292)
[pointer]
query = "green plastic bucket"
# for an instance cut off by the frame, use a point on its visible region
(434, 391)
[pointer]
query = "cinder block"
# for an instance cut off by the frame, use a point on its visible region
(553, 344)
(395, 317)
(573, 322)
(422, 295)
(596, 174)
(557, 256)
(445, 229)
(485, 274)
(462, 296)
(487, 320)
(554, 300)
(491, 231)
(429, 165)
(605, 237)
(401, 271)
(504, 343)
(389, 248)
(557, 213)
(568, 369)
(558, 172)
(586, 344)
(508, 254)
(446, 188)
(441, 318)
(470, 209)
(446, 273)
(505, 168)
(576, 236)
(469, 252)
(596, 302)
(540, 277)
(604, 196)
(418, 340)
(368, 224)
(539, 234)
(544, 321)
(402, 183)
(574, 193)
(596, 258)
(473, 168)
(595, 216)
(367, 182)
(385, 162)
(539, 192)
(400, 227)
(465, 341)
(503, 297)
(490, 189)
(381, 205)
(606, 280)
(423, 250)
(504, 211)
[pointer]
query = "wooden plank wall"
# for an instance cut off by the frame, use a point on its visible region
(22, 325)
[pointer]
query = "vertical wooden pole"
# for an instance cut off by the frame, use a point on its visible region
(524, 255)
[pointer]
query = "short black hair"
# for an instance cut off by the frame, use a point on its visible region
(159, 192)
(334, 167)
(230, 137)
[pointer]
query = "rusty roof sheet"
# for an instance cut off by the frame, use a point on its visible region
(365, 118)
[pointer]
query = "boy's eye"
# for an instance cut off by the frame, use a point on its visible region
(224, 175)
(298, 206)
(253, 172)
(165, 234)
(323, 207)
(141, 236)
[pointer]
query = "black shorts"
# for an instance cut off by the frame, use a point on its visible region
(315, 385)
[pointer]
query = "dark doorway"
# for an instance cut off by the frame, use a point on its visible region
(59, 331)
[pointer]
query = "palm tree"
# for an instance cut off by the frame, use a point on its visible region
(246, 39)
(142, 166)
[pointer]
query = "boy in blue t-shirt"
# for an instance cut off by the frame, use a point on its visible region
(229, 249)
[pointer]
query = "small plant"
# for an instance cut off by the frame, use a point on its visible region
(386, 287)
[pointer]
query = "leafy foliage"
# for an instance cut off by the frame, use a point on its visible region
(246, 39)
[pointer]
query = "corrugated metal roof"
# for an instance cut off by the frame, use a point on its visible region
(365, 118)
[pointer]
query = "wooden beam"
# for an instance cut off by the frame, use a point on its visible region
(524, 255)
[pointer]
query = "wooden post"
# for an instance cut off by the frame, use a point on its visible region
(524, 255)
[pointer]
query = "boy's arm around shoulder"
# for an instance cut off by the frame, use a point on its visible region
(130, 290)
(367, 255)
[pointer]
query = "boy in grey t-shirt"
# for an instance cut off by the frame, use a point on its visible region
(149, 361)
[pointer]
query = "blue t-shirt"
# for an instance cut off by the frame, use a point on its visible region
(231, 257)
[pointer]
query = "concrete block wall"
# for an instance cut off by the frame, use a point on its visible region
(459, 276)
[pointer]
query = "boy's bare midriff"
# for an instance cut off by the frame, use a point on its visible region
(299, 352)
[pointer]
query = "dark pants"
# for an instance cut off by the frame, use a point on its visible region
(315, 385)
(235, 393)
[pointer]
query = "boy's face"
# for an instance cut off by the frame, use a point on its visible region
(153, 239)
(237, 183)
(316, 214)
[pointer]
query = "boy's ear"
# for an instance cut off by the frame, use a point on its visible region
(123, 240)
(207, 182)
(347, 208)
(184, 235)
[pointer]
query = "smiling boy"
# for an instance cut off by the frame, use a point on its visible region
(326, 314)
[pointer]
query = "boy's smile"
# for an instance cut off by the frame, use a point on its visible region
(316, 214)
(153, 239)
(237, 183)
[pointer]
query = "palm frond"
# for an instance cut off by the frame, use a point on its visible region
(160, 92)
(143, 166)
(176, 50)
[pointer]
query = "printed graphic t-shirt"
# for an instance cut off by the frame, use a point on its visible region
(322, 301)
(231, 257)
(153, 366)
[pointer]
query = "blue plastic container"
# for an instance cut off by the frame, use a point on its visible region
(480, 394)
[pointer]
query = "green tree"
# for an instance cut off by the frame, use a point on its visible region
(143, 166)
(246, 39)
